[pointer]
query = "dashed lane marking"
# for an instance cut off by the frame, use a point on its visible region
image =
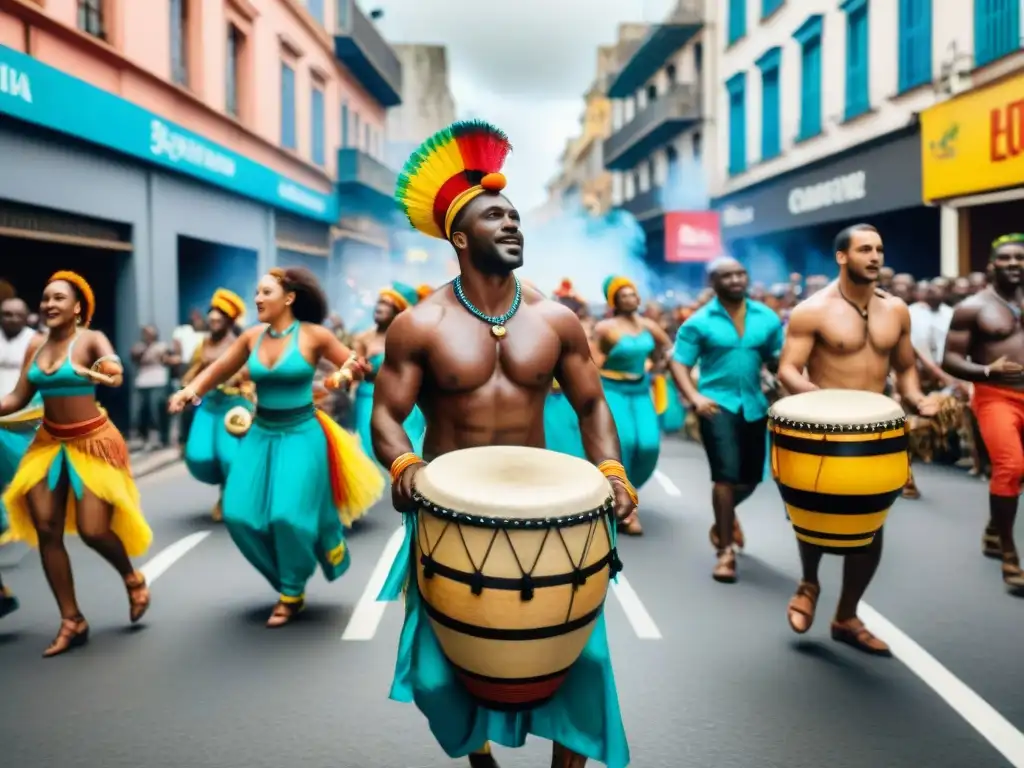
(159, 564)
(641, 621)
(666, 484)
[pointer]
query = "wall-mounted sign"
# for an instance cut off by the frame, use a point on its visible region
(692, 236)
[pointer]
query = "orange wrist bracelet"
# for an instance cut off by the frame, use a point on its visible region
(614, 469)
(402, 463)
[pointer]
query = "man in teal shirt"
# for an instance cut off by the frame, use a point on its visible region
(730, 338)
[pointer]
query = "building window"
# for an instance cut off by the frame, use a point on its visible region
(737, 88)
(90, 18)
(344, 125)
(671, 74)
(697, 146)
(367, 146)
(768, 7)
(737, 20)
(343, 13)
(357, 133)
(317, 117)
(179, 41)
(809, 38)
(236, 42)
(915, 41)
(316, 10)
(996, 29)
(858, 97)
(288, 107)
(771, 113)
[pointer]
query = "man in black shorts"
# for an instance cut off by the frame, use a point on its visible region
(730, 338)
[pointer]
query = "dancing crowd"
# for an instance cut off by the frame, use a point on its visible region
(490, 360)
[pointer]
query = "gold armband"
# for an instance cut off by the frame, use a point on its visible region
(402, 463)
(614, 469)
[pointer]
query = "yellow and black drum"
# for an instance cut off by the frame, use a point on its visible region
(840, 459)
(515, 548)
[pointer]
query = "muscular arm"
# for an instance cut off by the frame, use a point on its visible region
(22, 393)
(581, 383)
(396, 389)
(225, 366)
(685, 357)
(958, 343)
(801, 334)
(662, 343)
(904, 362)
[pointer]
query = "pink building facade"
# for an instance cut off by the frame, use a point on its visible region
(165, 147)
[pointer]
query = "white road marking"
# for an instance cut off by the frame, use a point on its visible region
(158, 565)
(369, 612)
(979, 714)
(666, 484)
(637, 615)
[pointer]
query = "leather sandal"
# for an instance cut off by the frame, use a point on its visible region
(725, 569)
(738, 539)
(217, 514)
(1013, 576)
(631, 526)
(138, 596)
(853, 633)
(285, 612)
(803, 604)
(73, 633)
(990, 546)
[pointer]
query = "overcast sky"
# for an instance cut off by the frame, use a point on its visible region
(523, 66)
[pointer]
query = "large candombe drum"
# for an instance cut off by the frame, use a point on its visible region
(840, 459)
(514, 557)
(27, 419)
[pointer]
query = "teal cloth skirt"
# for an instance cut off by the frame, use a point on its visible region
(583, 715)
(674, 417)
(562, 426)
(637, 423)
(278, 503)
(211, 448)
(415, 424)
(14, 441)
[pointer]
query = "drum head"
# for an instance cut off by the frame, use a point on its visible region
(837, 407)
(498, 481)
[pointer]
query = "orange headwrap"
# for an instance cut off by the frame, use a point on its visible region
(81, 285)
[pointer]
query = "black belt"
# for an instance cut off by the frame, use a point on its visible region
(284, 415)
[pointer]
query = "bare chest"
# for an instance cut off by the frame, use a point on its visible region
(846, 332)
(465, 356)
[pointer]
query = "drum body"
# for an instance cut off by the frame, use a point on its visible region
(514, 557)
(238, 421)
(840, 458)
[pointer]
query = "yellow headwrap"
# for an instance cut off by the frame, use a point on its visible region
(228, 302)
(615, 284)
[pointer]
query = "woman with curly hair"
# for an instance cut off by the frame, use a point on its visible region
(298, 479)
(75, 476)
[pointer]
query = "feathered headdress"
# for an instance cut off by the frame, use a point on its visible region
(612, 285)
(228, 302)
(81, 285)
(400, 295)
(449, 169)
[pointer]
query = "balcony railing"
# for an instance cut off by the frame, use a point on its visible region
(359, 171)
(646, 205)
(366, 54)
(641, 59)
(656, 124)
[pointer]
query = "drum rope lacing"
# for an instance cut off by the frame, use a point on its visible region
(526, 582)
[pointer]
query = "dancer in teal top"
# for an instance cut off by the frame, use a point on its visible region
(298, 478)
(211, 448)
(16, 433)
(451, 355)
(370, 346)
(628, 341)
(561, 424)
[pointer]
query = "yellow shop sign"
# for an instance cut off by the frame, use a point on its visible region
(974, 143)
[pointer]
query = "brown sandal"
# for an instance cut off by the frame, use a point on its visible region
(217, 514)
(1013, 576)
(138, 596)
(725, 569)
(285, 611)
(73, 633)
(738, 539)
(990, 546)
(631, 526)
(854, 634)
(803, 604)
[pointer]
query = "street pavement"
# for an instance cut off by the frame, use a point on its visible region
(709, 675)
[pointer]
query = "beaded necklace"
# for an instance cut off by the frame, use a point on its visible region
(280, 335)
(497, 322)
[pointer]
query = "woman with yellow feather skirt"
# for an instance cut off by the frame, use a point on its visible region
(451, 169)
(75, 476)
(369, 345)
(627, 341)
(211, 449)
(298, 479)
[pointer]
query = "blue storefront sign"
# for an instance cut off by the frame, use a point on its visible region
(36, 93)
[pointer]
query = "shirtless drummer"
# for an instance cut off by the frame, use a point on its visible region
(985, 345)
(848, 336)
(479, 356)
